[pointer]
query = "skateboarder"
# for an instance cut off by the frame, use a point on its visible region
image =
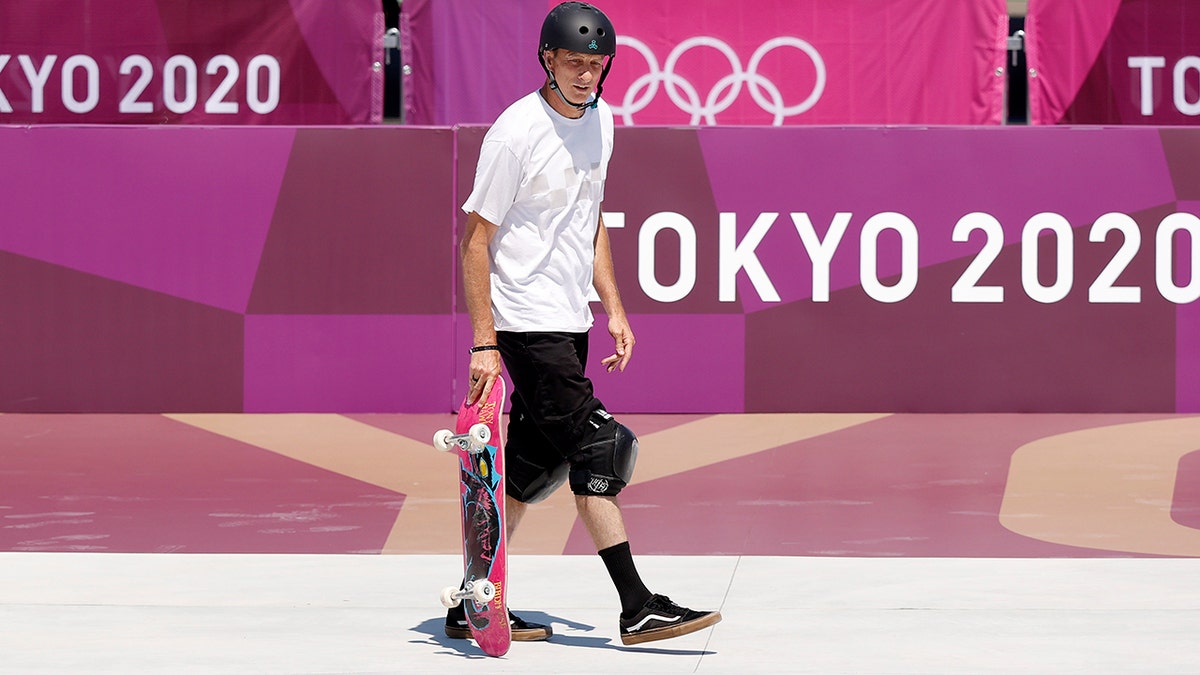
(533, 248)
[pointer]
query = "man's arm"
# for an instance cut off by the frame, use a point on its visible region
(475, 261)
(605, 282)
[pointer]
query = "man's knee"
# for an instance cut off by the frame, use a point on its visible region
(606, 458)
(542, 486)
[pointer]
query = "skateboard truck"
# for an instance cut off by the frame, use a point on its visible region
(480, 590)
(473, 441)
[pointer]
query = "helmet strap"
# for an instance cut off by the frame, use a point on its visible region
(595, 100)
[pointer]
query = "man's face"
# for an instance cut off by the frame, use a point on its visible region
(576, 73)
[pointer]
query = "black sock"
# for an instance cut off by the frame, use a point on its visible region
(459, 611)
(633, 592)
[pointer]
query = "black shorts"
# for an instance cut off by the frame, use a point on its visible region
(552, 400)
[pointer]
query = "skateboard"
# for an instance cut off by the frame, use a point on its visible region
(478, 440)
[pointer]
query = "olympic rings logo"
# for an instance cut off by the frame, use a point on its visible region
(726, 90)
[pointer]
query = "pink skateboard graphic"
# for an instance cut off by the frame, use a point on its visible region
(478, 439)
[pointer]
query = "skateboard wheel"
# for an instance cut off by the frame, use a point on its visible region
(480, 433)
(449, 598)
(483, 591)
(441, 440)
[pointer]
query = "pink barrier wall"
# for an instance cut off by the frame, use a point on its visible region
(797, 269)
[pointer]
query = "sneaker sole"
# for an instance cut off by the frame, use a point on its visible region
(518, 635)
(671, 631)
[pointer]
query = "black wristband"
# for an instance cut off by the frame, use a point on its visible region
(485, 348)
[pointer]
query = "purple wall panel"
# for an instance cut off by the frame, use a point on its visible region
(933, 176)
(361, 225)
(364, 363)
(655, 171)
(76, 342)
(926, 352)
(683, 363)
(1182, 147)
(929, 355)
(164, 209)
(1187, 331)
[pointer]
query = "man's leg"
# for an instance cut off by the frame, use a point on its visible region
(456, 619)
(514, 511)
(602, 516)
(601, 455)
(644, 616)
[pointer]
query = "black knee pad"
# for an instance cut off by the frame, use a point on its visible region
(540, 487)
(606, 457)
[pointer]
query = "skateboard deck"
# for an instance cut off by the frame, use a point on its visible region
(481, 488)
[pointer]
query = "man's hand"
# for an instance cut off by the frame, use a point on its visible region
(622, 335)
(485, 368)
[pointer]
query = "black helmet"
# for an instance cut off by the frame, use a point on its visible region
(578, 27)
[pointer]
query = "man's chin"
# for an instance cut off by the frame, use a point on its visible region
(579, 99)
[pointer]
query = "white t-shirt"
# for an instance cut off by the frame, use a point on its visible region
(540, 178)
